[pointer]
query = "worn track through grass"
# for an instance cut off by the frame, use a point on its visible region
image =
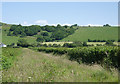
(43, 67)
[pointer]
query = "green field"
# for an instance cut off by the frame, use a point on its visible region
(95, 33)
(81, 34)
(13, 39)
(32, 66)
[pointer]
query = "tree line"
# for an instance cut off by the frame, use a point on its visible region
(44, 33)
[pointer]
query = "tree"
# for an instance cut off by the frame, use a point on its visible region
(44, 33)
(75, 25)
(9, 33)
(70, 45)
(58, 35)
(58, 25)
(106, 25)
(22, 42)
(40, 39)
(23, 34)
(84, 43)
(109, 42)
(13, 27)
(47, 39)
(65, 26)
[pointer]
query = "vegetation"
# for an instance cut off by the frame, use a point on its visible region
(93, 33)
(22, 43)
(84, 57)
(102, 55)
(9, 56)
(57, 33)
(35, 66)
(90, 34)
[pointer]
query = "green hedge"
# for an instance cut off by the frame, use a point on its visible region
(105, 55)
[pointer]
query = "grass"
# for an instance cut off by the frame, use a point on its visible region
(95, 33)
(102, 43)
(14, 39)
(34, 66)
(82, 34)
(61, 43)
(9, 56)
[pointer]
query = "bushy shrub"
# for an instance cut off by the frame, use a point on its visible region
(22, 43)
(109, 42)
(107, 55)
(69, 45)
(8, 56)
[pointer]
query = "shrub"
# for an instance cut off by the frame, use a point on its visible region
(109, 42)
(40, 39)
(107, 55)
(8, 56)
(22, 42)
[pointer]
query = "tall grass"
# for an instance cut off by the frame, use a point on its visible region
(35, 66)
(9, 56)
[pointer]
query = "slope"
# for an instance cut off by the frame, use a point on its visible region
(94, 33)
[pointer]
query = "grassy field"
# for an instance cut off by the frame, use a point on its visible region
(13, 39)
(82, 34)
(95, 33)
(40, 67)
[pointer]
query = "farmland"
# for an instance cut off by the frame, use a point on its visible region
(81, 34)
(13, 39)
(98, 33)
(74, 62)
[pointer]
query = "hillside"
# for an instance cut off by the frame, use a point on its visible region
(42, 67)
(12, 39)
(81, 34)
(93, 33)
(35, 33)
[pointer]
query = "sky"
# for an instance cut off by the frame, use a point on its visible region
(64, 13)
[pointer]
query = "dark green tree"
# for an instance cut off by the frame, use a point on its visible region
(22, 42)
(40, 39)
(44, 33)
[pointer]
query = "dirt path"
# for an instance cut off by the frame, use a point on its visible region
(37, 67)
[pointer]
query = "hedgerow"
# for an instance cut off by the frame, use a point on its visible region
(104, 55)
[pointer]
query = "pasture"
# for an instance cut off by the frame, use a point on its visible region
(93, 33)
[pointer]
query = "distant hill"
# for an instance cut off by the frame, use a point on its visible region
(81, 34)
(11, 33)
(93, 33)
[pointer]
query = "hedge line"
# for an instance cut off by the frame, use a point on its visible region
(107, 55)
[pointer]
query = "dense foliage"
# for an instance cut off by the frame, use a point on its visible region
(44, 33)
(106, 55)
(8, 56)
(89, 40)
(22, 43)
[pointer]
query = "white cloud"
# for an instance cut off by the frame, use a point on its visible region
(44, 22)
(66, 24)
(94, 25)
(60, 24)
(25, 23)
(41, 22)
